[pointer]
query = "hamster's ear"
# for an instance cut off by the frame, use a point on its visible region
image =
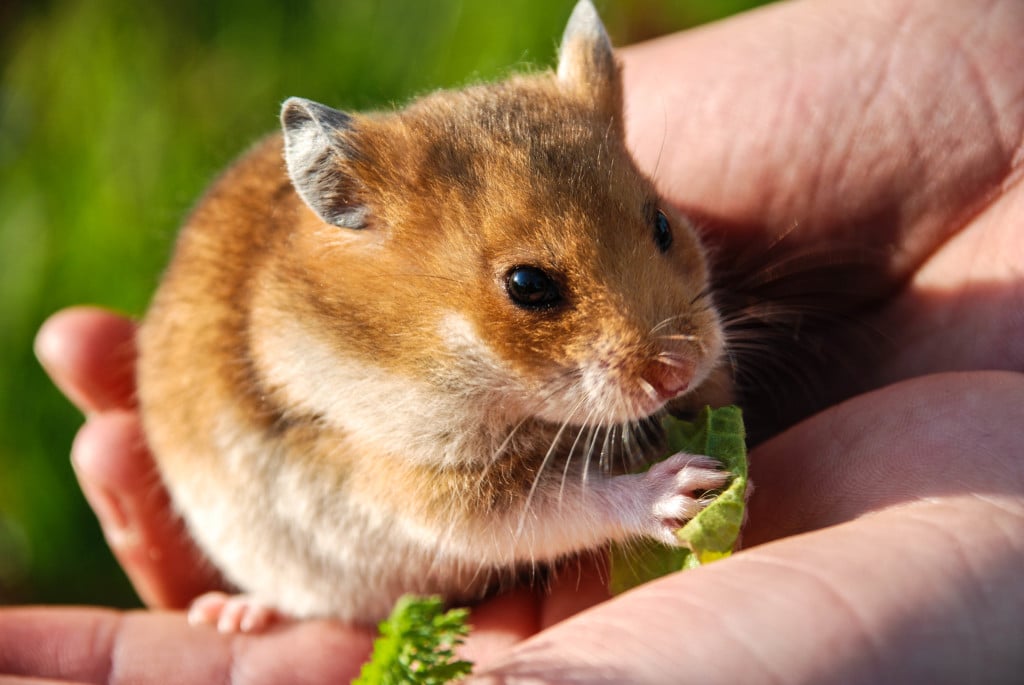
(586, 62)
(317, 143)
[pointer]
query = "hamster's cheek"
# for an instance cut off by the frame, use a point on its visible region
(470, 358)
(522, 387)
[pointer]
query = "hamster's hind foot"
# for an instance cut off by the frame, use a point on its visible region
(232, 613)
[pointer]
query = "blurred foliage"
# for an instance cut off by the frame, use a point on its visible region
(114, 116)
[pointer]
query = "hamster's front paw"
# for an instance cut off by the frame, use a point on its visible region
(677, 486)
(232, 613)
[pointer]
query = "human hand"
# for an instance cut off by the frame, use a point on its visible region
(92, 645)
(901, 561)
(885, 539)
(90, 355)
(786, 95)
(895, 127)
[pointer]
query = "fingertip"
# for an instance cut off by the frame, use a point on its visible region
(90, 355)
(110, 450)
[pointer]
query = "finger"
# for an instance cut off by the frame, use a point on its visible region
(512, 617)
(16, 680)
(879, 599)
(930, 436)
(499, 623)
(576, 585)
(933, 461)
(121, 483)
(103, 646)
(964, 309)
(90, 355)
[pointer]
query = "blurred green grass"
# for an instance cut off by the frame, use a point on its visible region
(113, 118)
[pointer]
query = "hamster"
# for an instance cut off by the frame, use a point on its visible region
(409, 351)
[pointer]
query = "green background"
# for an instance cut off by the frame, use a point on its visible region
(114, 116)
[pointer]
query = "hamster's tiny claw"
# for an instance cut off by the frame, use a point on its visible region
(232, 613)
(677, 485)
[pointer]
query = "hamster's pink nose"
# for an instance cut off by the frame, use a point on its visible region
(669, 378)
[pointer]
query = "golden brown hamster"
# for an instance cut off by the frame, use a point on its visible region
(395, 352)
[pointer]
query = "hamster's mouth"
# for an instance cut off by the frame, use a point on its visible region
(618, 398)
(607, 403)
(616, 384)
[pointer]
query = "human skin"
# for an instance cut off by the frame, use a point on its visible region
(886, 533)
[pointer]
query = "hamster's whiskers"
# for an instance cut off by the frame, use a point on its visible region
(586, 426)
(681, 336)
(655, 333)
(540, 469)
(598, 433)
(556, 385)
(706, 293)
(670, 359)
(664, 323)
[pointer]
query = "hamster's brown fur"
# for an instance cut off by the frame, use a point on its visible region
(346, 400)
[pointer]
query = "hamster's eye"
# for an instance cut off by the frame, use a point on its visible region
(531, 288)
(662, 231)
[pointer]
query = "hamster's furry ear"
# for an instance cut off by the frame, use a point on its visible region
(585, 60)
(317, 143)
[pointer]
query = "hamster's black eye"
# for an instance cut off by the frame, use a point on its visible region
(662, 231)
(531, 288)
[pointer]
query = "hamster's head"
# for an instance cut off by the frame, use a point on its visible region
(498, 244)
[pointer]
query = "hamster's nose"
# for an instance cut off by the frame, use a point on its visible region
(669, 377)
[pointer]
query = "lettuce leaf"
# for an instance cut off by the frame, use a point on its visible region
(713, 533)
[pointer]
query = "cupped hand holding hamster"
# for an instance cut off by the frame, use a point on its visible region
(880, 489)
(419, 351)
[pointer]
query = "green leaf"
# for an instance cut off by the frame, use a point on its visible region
(712, 534)
(417, 645)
